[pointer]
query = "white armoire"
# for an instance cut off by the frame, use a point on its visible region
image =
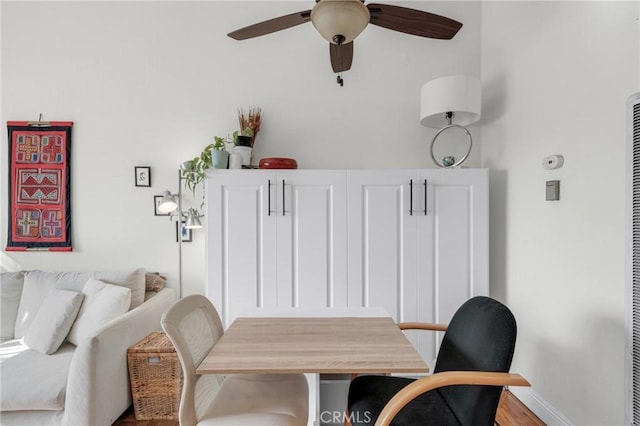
(414, 242)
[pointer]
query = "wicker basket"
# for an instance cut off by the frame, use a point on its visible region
(156, 378)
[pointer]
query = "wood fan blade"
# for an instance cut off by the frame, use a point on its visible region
(341, 56)
(413, 21)
(272, 25)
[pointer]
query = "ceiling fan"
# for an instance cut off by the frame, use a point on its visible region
(340, 22)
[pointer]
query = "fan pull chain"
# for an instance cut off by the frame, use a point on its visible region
(339, 80)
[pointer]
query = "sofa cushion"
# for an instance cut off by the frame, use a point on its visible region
(102, 303)
(38, 283)
(10, 291)
(53, 321)
(135, 281)
(34, 381)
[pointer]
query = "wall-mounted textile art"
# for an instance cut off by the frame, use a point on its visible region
(39, 186)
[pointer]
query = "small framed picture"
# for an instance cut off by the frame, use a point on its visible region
(186, 233)
(143, 176)
(156, 203)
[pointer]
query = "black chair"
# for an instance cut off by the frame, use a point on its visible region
(465, 387)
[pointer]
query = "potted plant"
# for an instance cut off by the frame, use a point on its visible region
(250, 122)
(243, 145)
(244, 138)
(219, 155)
(213, 155)
(193, 170)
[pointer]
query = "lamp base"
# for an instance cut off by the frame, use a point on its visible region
(447, 161)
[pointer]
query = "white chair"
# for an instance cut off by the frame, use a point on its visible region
(194, 327)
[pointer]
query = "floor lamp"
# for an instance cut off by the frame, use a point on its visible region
(173, 203)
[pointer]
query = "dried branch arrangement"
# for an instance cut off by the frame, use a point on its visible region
(250, 119)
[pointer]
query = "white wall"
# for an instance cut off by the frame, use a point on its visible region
(556, 78)
(151, 83)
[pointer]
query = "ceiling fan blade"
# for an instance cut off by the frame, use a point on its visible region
(272, 25)
(341, 56)
(413, 21)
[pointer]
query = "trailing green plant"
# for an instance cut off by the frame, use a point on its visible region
(193, 171)
(219, 144)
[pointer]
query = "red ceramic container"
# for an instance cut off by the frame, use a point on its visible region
(277, 163)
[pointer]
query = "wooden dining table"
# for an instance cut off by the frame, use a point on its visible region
(313, 345)
(326, 342)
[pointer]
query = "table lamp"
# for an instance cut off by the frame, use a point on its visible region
(446, 99)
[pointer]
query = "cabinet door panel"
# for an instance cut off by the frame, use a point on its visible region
(241, 262)
(312, 240)
(452, 241)
(452, 247)
(382, 242)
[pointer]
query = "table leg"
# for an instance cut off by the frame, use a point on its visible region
(314, 399)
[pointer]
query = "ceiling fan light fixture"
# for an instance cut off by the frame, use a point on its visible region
(346, 18)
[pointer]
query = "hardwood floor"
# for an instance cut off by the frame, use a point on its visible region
(128, 418)
(511, 412)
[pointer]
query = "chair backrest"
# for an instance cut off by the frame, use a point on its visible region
(193, 326)
(480, 337)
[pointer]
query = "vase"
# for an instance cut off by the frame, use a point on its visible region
(235, 161)
(219, 159)
(245, 154)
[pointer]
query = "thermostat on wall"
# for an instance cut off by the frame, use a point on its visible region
(553, 162)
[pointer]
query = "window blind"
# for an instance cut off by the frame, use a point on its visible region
(633, 132)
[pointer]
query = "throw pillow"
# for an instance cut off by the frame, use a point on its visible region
(38, 283)
(10, 291)
(154, 281)
(132, 280)
(53, 321)
(102, 303)
(34, 291)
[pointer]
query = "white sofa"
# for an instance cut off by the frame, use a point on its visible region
(86, 383)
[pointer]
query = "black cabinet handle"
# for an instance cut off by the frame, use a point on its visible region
(425, 197)
(411, 197)
(269, 198)
(283, 197)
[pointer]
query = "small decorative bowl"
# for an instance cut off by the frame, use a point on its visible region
(277, 163)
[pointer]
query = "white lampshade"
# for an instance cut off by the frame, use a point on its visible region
(457, 94)
(168, 203)
(345, 18)
(193, 221)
